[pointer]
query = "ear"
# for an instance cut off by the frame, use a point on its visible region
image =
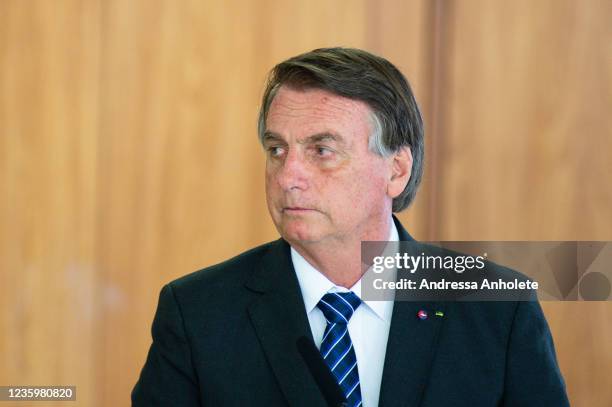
(401, 168)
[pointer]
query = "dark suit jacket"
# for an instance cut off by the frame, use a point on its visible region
(226, 336)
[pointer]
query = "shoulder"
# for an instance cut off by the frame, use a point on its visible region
(234, 270)
(222, 282)
(216, 297)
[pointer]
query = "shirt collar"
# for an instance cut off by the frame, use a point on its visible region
(314, 285)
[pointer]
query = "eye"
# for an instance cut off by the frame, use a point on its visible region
(323, 151)
(275, 151)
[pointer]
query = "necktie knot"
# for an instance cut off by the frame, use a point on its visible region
(338, 308)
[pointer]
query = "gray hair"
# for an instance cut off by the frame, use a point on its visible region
(360, 75)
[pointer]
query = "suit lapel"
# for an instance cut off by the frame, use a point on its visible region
(279, 319)
(410, 349)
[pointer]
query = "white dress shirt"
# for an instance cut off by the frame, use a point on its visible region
(368, 327)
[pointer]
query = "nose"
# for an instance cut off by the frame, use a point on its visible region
(293, 172)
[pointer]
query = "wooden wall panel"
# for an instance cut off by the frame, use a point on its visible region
(48, 145)
(527, 121)
(525, 135)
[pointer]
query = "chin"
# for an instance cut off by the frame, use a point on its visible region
(296, 231)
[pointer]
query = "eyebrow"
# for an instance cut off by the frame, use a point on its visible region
(315, 138)
(271, 136)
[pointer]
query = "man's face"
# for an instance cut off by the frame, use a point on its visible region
(323, 184)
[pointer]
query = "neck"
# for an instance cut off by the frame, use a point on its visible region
(340, 261)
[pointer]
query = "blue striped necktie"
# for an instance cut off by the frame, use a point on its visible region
(336, 347)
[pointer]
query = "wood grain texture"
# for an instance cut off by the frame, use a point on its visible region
(48, 195)
(526, 121)
(524, 145)
(129, 155)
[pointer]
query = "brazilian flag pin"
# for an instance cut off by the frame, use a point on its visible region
(439, 314)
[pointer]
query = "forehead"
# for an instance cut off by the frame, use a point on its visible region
(305, 112)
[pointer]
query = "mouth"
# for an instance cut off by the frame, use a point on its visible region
(297, 210)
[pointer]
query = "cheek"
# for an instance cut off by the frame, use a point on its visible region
(368, 191)
(269, 178)
(271, 191)
(355, 193)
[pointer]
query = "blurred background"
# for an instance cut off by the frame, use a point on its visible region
(129, 156)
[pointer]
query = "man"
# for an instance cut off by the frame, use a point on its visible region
(343, 139)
